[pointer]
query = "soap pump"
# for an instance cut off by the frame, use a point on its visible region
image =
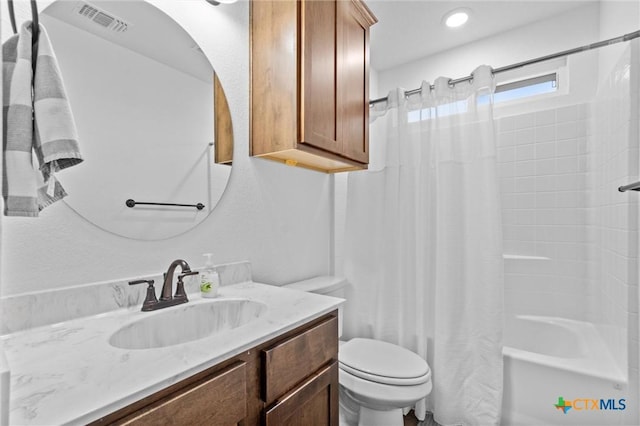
(209, 279)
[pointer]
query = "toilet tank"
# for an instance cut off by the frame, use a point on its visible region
(327, 285)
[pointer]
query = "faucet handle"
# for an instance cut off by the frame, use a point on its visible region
(150, 282)
(150, 300)
(180, 293)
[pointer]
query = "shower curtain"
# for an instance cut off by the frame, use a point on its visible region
(423, 244)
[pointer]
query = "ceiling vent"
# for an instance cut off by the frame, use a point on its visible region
(101, 17)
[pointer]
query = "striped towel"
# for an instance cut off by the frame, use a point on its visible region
(38, 103)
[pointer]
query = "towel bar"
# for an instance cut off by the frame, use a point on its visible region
(132, 203)
(631, 187)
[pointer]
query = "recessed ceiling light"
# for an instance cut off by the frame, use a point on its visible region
(217, 2)
(456, 18)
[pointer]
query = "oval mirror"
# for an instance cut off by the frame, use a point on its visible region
(152, 118)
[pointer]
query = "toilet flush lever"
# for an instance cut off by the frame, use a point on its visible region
(150, 300)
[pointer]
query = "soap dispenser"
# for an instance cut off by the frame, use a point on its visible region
(209, 279)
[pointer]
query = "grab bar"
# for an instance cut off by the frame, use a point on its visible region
(631, 187)
(132, 203)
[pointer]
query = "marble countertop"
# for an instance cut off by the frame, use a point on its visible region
(68, 373)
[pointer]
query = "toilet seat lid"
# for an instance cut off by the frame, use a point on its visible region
(383, 362)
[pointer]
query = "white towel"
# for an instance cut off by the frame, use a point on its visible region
(26, 191)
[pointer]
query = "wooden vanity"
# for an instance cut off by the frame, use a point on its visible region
(289, 380)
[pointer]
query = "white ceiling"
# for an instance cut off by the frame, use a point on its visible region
(406, 29)
(412, 29)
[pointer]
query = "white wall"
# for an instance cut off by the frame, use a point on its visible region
(277, 217)
(571, 29)
(617, 17)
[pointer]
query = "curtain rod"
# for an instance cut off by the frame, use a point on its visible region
(597, 45)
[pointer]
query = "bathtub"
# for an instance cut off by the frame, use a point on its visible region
(546, 358)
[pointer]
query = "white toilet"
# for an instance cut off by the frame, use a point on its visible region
(377, 379)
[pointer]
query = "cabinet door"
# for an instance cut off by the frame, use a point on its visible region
(353, 80)
(313, 403)
(318, 62)
(289, 362)
(218, 400)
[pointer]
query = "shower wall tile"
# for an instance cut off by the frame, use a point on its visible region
(568, 130)
(525, 121)
(545, 118)
(542, 166)
(567, 148)
(525, 152)
(525, 168)
(524, 136)
(612, 145)
(507, 154)
(569, 165)
(568, 114)
(545, 133)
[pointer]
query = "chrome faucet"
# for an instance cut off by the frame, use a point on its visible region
(166, 299)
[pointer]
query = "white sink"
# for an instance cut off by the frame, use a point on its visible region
(185, 323)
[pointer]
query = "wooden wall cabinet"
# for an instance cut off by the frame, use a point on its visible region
(291, 380)
(222, 127)
(310, 83)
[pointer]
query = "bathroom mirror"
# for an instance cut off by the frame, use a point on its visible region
(152, 118)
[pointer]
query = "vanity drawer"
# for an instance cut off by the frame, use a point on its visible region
(314, 402)
(290, 361)
(218, 400)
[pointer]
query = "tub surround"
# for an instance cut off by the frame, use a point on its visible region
(71, 364)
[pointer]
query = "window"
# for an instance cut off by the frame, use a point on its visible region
(526, 88)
